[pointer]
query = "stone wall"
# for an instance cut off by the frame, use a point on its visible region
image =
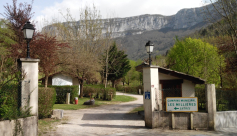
(182, 120)
(29, 126)
(225, 119)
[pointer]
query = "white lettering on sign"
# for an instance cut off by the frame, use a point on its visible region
(181, 104)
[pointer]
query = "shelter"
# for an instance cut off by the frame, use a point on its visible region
(171, 84)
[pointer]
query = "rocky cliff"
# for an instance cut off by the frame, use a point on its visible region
(184, 18)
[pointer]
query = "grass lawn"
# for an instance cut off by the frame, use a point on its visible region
(98, 102)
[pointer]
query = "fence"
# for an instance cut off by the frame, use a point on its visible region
(225, 99)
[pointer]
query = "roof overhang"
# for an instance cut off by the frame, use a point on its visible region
(170, 72)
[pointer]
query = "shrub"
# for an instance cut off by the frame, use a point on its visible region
(129, 89)
(61, 93)
(119, 88)
(9, 102)
(47, 98)
(98, 91)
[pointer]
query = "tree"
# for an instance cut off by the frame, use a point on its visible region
(132, 75)
(224, 14)
(82, 59)
(43, 46)
(118, 64)
(197, 58)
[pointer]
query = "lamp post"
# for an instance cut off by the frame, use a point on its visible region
(28, 31)
(149, 49)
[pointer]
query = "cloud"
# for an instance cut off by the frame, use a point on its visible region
(116, 8)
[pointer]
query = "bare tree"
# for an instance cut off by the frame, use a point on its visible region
(223, 13)
(85, 41)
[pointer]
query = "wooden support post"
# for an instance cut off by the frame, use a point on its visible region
(68, 98)
(191, 121)
(173, 121)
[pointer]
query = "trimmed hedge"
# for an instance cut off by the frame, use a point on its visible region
(130, 89)
(99, 92)
(61, 93)
(47, 98)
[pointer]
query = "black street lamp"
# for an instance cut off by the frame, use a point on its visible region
(28, 31)
(149, 49)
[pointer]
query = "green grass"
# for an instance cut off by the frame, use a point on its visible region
(137, 109)
(46, 125)
(98, 102)
(123, 98)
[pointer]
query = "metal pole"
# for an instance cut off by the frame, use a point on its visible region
(28, 49)
(150, 59)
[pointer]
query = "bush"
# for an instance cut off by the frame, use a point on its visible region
(119, 88)
(61, 93)
(47, 98)
(9, 102)
(130, 89)
(98, 91)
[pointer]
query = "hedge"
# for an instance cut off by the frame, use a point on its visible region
(130, 89)
(61, 93)
(99, 92)
(47, 98)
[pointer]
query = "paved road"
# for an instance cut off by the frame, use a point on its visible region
(114, 120)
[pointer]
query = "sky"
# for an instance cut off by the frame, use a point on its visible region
(47, 10)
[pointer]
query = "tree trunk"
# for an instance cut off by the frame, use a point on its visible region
(113, 83)
(106, 69)
(46, 81)
(81, 81)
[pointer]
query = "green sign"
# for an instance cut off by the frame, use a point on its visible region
(181, 104)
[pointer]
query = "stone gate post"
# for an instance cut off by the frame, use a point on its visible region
(29, 85)
(210, 92)
(151, 84)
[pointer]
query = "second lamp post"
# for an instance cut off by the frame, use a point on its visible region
(149, 49)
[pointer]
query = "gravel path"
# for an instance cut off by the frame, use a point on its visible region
(114, 120)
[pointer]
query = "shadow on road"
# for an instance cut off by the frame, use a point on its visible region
(111, 116)
(111, 126)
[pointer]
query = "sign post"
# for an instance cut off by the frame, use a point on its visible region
(181, 104)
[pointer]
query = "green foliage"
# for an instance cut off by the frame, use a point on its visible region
(47, 98)
(98, 91)
(197, 58)
(61, 93)
(5, 34)
(8, 102)
(130, 89)
(132, 74)
(118, 64)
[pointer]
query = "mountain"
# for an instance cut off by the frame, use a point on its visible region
(133, 32)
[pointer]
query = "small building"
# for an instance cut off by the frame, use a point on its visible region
(61, 79)
(172, 84)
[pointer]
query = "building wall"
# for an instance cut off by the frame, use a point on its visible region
(61, 79)
(188, 88)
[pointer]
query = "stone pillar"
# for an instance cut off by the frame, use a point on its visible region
(29, 85)
(151, 84)
(211, 105)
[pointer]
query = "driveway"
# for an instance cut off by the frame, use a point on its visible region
(114, 120)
